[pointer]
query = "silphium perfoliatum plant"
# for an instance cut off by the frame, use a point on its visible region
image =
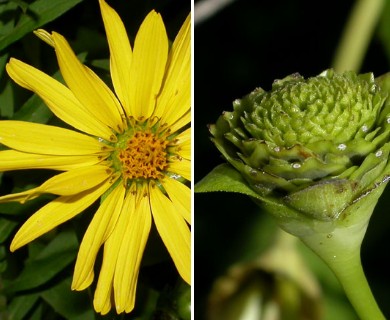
(315, 154)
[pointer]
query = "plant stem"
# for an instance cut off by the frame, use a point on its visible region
(357, 35)
(340, 249)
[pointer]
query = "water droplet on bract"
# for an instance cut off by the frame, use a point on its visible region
(342, 146)
(374, 88)
(229, 115)
(365, 128)
(296, 75)
(294, 109)
(296, 165)
(378, 153)
(277, 149)
(175, 176)
(388, 119)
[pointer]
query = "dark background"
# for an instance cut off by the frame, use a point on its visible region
(248, 44)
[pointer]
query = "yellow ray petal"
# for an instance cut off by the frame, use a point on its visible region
(65, 184)
(131, 252)
(173, 231)
(181, 167)
(180, 196)
(111, 252)
(58, 98)
(103, 291)
(182, 145)
(56, 212)
(107, 306)
(175, 97)
(181, 122)
(118, 238)
(120, 53)
(16, 160)
(21, 197)
(77, 180)
(97, 233)
(44, 36)
(88, 88)
(45, 139)
(148, 65)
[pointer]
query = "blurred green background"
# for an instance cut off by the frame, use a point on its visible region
(246, 45)
(35, 280)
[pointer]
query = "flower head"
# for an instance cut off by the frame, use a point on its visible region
(130, 148)
(326, 135)
(314, 153)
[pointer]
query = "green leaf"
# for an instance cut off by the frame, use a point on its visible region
(3, 262)
(58, 254)
(34, 110)
(225, 178)
(6, 227)
(103, 64)
(22, 4)
(70, 304)
(7, 100)
(3, 62)
(63, 242)
(6, 94)
(37, 314)
(20, 306)
(7, 21)
(38, 13)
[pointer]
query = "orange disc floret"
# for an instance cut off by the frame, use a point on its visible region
(144, 156)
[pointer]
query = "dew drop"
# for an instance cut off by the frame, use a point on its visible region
(236, 102)
(388, 119)
(378, 153)
(342, 146)
(277, 149)
(229, 115)
(296, 165)
(374, 88)
(175, 176)
(294, 109)
(365, 128)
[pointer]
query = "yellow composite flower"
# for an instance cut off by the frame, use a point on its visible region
(130, 148)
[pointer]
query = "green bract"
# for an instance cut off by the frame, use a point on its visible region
(310, 141)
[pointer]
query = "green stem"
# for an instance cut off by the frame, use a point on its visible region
(357, 35)
(340, 249)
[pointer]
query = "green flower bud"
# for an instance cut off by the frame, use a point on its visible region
(315, 154)
(325, 139)
(267, 287)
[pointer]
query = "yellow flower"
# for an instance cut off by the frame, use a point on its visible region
(131, 149)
